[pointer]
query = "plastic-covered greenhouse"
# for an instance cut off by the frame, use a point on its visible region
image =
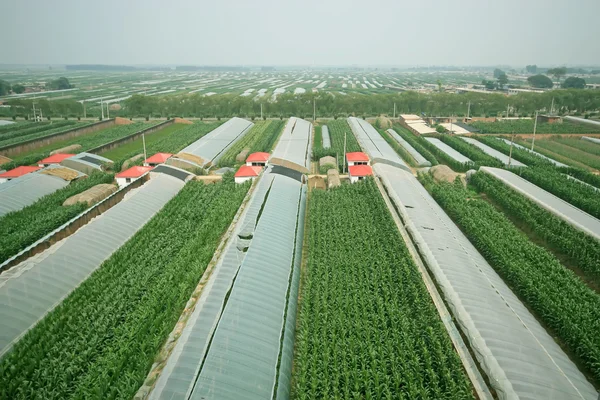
(213, 145)
(33, 288)
(448, 150)
(239, 340)
(517, 354)
(493, 152)
(421, 161)
(326, 137)
(557, 206)
(26, 190)
(294, 147)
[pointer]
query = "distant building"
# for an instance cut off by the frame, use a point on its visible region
(259, 159)
(359, 172)
(17, 172)
(158, 158)
(357, 158)
(129, 175)
(246, 173)
(54, 159)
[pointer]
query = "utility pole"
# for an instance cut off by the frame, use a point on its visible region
(261, 114)
(534, 128)
(468, 109)
(34, 116)
(107, 112)
(144, 143)
(344, 169)
(102, 107)
(512, 138)
(314, 109)
(451, 130)
(552, 107)
(83, 102)
(394, 110)
(507, 106)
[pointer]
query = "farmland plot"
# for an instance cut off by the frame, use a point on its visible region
(337, 130)
(367, 327)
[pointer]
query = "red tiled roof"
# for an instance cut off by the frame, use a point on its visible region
(360, 170)
(158, 158)
(357, 156)
(246, 171)
(55, 159)
(258, 157)
(133, 172)
(19, 171)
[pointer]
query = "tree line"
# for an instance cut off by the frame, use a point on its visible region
(566, 101)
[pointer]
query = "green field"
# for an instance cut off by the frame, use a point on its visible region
(137, 145)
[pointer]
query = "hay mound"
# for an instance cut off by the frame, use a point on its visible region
(316, 182)
(333, 178)
(128, 163)
(122, 121)
(182, 121)
(4, 160)
(383, 122)
(327, 160)
(65, 173)
(66, 150)
(208, 179)
(242, 156)
(443, 173)
(115, 107)
(92, 195)
(191, 158)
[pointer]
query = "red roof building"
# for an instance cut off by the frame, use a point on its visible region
(17, 172)
(358, 172)
(258, 159)
(357, 158)
(54, 159)
(246, 172)
(158, 158)
(133, 172)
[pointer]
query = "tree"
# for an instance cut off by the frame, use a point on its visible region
(540, 81)
(59, 84)
(558, 72)
(573, 82)
(498, 73)
(502, 80)
(18, 88)
(532, 69)
(488, 84)
(4, 87)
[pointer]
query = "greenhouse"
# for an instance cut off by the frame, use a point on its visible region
(494, 153)
(421, 161)
(23, 191)
(448, 150)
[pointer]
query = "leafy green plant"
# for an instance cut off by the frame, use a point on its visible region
(101, 341)
(417, 142)
(474, 153)
(367, 327)
(261, 137)
(337, 130)
(526, 126)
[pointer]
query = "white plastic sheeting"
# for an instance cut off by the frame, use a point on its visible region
(493, 152)
(513, 349)
(26, 190)
(591, 139)
(326, 137)
(213, 145)
(421, 161)
(294, 145)
(374, 144)
(34, 287)
(558, 164)
(557, 206)
(448, 150)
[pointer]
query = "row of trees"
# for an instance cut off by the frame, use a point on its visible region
(327, 104)
(542, 81)
(17, 88)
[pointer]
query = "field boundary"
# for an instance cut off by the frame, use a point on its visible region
(71, 226)
(130, 138)
(32, 144)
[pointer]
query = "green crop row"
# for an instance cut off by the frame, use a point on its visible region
(367, 328)
(337, 130)
(37, 131)
(87, 142)
(417, 143)
(526, 126)
(571, 155)
(261, 137)
(173, 143)
(100, 343)
(17, 126)
(22, 228)
(577, 143)
(526, 157)
(405, 155)
(554, 293)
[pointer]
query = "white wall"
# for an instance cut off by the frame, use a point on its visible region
(243, 179)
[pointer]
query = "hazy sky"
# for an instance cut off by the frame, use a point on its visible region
(292, 32)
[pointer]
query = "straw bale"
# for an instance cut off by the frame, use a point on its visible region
(65, 173)
(333, 178)
(92, 195)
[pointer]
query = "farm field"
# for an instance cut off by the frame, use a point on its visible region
(261, 138)
(577, 143)
(557, 296)
(137, 145)
(121, 315)
(563, 152)
(22, 228)
(363, 308)
(35, 131)
(337, 130)
(526, 126)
